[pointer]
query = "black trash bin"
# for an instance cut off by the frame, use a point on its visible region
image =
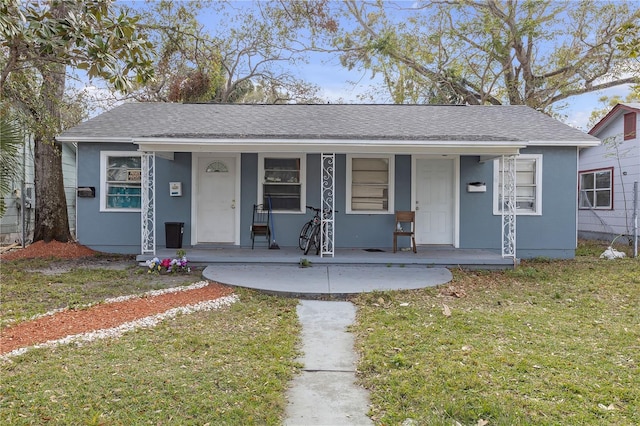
(173, 234)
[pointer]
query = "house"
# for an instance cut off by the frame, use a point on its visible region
(607, 174)
(17, 221)
(500, 178)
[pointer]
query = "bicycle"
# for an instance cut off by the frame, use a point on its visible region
(310, 232)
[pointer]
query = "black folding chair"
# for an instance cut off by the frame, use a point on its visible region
(261, 224)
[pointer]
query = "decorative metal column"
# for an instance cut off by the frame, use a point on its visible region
(508, 206)
(327, 196)
(148, 213)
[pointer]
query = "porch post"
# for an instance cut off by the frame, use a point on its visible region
(508, 206)
(148, 213)
(327, 191)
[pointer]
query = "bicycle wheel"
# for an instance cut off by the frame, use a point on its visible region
(305, 233)
(312, 240)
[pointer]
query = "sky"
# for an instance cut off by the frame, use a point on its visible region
(337, 83)
(334, 80)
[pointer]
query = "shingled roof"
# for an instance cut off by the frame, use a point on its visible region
(133, 121)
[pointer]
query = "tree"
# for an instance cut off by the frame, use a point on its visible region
(529, 52)
(244, 54)
(39, 41)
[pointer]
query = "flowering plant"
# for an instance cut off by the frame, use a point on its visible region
(178, 264)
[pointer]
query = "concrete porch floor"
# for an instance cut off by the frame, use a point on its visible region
(428, 256)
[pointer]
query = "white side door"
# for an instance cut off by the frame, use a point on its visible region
(216, 200)
(434, 201)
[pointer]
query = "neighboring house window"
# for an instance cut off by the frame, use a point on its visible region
(596, 189)
(370, 184)
(282, 182)
(528, 185)
(120, 177)
(630, 126)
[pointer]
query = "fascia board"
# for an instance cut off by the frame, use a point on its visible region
(76, 139)
(346, 146)
(584, 143)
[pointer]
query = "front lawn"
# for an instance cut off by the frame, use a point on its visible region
(226, 366)
(553, 342)
(549, 343)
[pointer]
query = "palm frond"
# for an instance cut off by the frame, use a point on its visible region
(11, 140)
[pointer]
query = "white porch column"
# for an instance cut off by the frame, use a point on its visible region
(327, 191)
(148, 213)
(508, 206)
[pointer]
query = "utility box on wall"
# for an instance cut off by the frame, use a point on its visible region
(86, 191)
(476, 187)
(175, 189)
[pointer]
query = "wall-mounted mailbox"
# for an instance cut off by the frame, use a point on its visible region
(87, 191)
(175, 189)
(476, 187)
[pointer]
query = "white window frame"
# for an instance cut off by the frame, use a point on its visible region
(303, 179)
(594, 189)
(104, 155)
(391, 183)
(538, 185)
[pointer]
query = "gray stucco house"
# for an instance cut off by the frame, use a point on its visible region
(500, 178)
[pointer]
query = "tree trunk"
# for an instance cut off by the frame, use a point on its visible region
(51, 218)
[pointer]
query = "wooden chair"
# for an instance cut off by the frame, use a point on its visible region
(261, 224)
(405, 226)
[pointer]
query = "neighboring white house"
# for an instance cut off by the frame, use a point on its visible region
(607, 174)
(15, 222)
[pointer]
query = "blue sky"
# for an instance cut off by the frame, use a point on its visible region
(334, 80)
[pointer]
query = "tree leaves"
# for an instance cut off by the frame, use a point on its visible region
(500, 52)
(89, 36)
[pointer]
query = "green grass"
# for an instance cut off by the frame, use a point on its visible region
(229, 366)
(552, 342)
(27, 291)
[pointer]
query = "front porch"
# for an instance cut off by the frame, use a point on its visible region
(427, 256)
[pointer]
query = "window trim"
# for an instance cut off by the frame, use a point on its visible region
(538, 177)
(391, 183)
(629, 126)
(611, 188)
(303, 179)
(104, 155)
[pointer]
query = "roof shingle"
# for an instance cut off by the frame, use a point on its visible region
(326, 121)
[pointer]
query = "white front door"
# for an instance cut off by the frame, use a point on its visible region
(216, 200)
(434, 201)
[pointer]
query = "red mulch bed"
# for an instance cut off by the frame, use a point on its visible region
(97, 317)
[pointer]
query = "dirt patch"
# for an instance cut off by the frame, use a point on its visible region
(102, 316)
(53, 249)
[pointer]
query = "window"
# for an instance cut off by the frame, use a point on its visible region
(528, 185)
(282, 182)
(370, 184)
(120, 177)
(630, 126)
(596, 189)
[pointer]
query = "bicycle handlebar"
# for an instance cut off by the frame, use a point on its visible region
(317, 210)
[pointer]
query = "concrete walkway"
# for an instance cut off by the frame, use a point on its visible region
(325, 392)
(326, 280)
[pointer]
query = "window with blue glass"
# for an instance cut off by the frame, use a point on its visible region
(122, 181)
